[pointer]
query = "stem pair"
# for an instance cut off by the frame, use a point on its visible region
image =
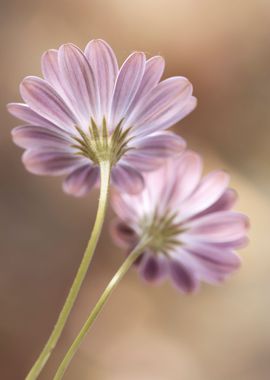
(105, 170)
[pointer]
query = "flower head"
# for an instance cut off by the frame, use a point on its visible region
(193, 231)
(87, 110)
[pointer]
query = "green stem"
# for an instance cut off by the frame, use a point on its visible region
(99, 306)
(105, 169)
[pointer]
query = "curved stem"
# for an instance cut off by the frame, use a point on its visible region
(105, 169)
(99, 306)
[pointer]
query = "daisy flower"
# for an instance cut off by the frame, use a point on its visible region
(189, 219)
(87, 111)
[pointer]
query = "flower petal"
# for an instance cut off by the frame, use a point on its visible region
(29, 136)
(161, 144)
(49, 162)
(51, 71)
(153, 268)
(127, 179)
(79, 81)
(24, 112)
(44, 100)
(154, 68)
(225, 202)
(207, 193)
(162, 107)
(123, 234)
(105, 68)
(127, 84)
(182, 277)
(80, 181)
(219, 227)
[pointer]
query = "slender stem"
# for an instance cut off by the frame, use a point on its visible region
(99, 306)
(105, 169)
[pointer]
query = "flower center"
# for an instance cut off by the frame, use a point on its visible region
(163, 231)
(100, 146)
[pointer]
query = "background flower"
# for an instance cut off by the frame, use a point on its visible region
(190, 220)
(86, 110)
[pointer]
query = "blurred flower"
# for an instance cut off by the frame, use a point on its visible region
(193, 231)
(87, 110)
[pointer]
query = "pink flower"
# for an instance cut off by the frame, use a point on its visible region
(86, 110)
(193, 231)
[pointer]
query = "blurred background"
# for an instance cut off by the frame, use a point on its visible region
(222, 333)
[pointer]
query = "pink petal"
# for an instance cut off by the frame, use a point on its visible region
(123, 234)
(154, 68)
(51, 71)
(182, 277)
(127, 84)
(161, 144)
(207, 193)
(141, 162)
(44, 100)
(23, 112)
(79, 81)
(49, 163)
(80, 181)
(225, 202)
(127, 179)
(209, 254)
(153, 268)
(38, 137)
(163, 106)
(105, 68)
(224, 226)
(124, 205)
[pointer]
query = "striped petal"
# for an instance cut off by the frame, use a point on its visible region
(127, 84)
(127, 179)
(44, 100)
(105, 68)
(79, 82)
(182, 277)
(163, 106)
(80, 181)
(29, 136)
(49, 162)
(207, 193)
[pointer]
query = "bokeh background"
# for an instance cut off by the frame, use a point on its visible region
(222, 333)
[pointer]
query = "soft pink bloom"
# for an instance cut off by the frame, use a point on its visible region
(195, 232)
(81, 90)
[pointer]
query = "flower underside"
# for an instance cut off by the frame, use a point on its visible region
(99, 145)
(162, 231)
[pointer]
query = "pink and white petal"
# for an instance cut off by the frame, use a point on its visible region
(29, 136)
(204, 271)
(154, 68)
(127, 179)
(126, 86)
(24, 112)
(161, 144)
(206, 194)
(183, 277)
(80, 181)
(79, 82)
(225, 202)
(51, 71)
(219, 227)
(183, 175)
(153, 268)
(44, 100)
(123, 235)
(49, 162)
(141, 162)
(105, 68)
(125, 206)
(210, 254)
(162, 106)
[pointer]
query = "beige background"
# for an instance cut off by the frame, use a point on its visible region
(145, 333)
